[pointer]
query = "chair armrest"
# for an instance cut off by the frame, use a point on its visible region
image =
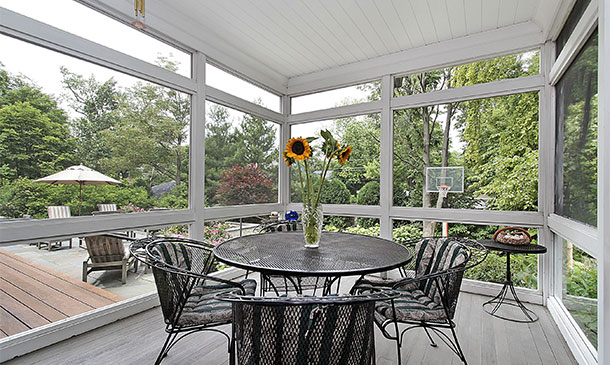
(201, 277)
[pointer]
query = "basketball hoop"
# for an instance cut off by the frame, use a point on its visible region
(443, 190)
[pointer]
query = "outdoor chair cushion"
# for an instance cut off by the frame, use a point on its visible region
(434, 255)
(411, 306)
(203, 307)
(174, 254)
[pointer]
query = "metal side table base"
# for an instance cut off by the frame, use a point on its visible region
(492, 306)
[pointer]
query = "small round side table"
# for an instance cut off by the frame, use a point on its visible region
(492, 306)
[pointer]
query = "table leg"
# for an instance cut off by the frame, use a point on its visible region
(500, 300)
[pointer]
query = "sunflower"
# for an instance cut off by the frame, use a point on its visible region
(344, 155)
(298, 149)
(289, 160)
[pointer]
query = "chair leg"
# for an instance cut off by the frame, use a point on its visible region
(85, 271)
(165, 348)
(460, 353)
(124, 273)
(432, 343)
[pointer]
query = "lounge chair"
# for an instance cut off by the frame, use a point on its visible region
(55, 212)
(108, 253)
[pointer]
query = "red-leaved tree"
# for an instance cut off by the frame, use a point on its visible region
(245, 185)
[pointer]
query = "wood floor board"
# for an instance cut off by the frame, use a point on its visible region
(24, 314)
(30, 301)
(88, 294)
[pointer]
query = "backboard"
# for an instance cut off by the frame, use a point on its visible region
(449, 178)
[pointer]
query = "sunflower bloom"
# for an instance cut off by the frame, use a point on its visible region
(289, 160)
(298, 149)
(344, 155)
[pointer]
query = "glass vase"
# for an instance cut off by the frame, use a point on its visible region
(312, 219)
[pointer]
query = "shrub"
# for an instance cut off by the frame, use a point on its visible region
(245, 185)
(335, 192)
(368, 195)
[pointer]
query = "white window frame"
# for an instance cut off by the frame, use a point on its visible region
(580, 234)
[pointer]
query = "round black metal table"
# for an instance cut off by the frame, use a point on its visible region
(339, 254)
(492, 306)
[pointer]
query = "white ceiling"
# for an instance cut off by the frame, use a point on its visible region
(292, 38)
(298, 37)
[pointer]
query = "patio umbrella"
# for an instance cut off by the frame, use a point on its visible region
(81, 175)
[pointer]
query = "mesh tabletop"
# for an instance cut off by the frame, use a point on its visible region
(339, 254)
(497, 246)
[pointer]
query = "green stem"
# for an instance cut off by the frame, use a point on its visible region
(308, 176)
(324, 171)
(301, 179)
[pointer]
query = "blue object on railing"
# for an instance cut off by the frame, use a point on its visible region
(291, 215)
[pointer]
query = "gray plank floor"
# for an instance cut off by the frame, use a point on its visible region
(485, 340)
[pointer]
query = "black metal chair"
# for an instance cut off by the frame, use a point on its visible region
(429, 290)
(186, 292)
(278, 283)
(328, 330)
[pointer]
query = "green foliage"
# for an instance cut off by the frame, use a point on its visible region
(335, 192)
(34, 135)
(368, 195)
(97, 104)
(407, 232)
(524, 270)
(176, 199)
(369, 231)
(582, 279)
(22, 196)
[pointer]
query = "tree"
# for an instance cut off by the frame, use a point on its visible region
(97, 104)
(219, 142)
(245, 185)
(255, 144)
(151, 136)
(34, 136)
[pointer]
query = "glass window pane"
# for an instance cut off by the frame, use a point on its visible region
(480, 72)
(577, 11)
(241, 158)
(580, 288)
(64, 112)
(576, 147)
(338, 97)
(233, 85)
(357, 180)
(494, 140)
(85, 22)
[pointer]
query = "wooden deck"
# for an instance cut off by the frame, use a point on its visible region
(32, 295)
(485, 339)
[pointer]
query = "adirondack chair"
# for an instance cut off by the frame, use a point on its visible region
(108, 253)
(56, 211)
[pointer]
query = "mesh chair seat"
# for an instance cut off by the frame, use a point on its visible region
(202, 306)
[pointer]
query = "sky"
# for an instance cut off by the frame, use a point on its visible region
(42, 65)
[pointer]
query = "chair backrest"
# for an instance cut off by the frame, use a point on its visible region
(280, 226)
(436, 255)
(106, 207)
(105, 249)
(304, 330)
(172, 259)
(58, 211)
